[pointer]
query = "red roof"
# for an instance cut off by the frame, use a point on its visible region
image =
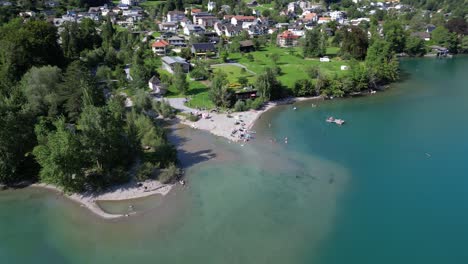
(288, 35)
(196, 10)
(310, 16)
(160, 44)
(245, 18)
(325, 18)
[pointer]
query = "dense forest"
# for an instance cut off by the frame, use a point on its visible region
(60, 117)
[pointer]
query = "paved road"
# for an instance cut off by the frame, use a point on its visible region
(178, 103)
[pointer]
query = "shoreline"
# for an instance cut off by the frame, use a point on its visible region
(219, 124)
(124, 192)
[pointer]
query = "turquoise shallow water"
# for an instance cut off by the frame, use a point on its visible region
(388, 187)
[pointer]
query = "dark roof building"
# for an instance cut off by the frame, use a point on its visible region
(203, 48)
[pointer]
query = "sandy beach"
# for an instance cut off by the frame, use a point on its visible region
(219, 124)
(222, 124)
(127, 191)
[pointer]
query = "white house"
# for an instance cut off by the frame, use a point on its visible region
(156, 86)
(211, 6)
(127, 2)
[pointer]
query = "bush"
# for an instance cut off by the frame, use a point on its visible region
(169, 174)
(257, 104)
(240, 106)
(145, 171)
(193, 118)
(164, 109)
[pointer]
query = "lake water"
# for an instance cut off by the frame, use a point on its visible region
(390, 186)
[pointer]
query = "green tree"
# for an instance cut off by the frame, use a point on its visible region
(354, 42)
(60, 155)
(16, 141)
(78, 83)
(442, 36)
(40, 86)
(180, 80)
(268, 86)
(219, 93)
(395, 35)
(415, 46)
(314, 44)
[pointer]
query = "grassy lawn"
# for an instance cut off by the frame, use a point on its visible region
(198, 92)
(151, 3)
(292, 65)
(234, 72)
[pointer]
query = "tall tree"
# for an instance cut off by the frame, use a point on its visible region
(314, 45)
(180, 80)
(354, 42)
(395, 35)
(40, 86)
(219, 93)
(268, 86)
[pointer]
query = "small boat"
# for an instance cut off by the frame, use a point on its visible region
(294, 108)
(339, 121)
(182, 182)
(331, 119)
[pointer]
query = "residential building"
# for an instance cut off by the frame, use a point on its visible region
(239, 20)
(160, 47)
(246, 46)
(204, 18)
(156, 86)
(324, 20)
(169, 63)
(128, 2)
(193, 29)
(176, 41)
(202, 49)
(168, 26)
(175, 16)
(422, 35)
(310, 17)
(211, 6)
(287, 39)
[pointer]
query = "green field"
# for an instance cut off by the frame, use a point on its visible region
(292, 65)
(233, 73)
(151, 3)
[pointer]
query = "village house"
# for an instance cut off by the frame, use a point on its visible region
(168, 26)
(128, 2)
(422, 35)
(176, 41)
(156, 86)
(193, 29)
(323, 20)
(211, 6)
(239, 20)
(204, 19)
(310, 17)
(227, 30)
(160, 47)
(246, 46)
(175, 16)
(287, 39)
(203, 49)
(169, 63)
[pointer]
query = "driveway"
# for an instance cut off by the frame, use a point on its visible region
(178, 103)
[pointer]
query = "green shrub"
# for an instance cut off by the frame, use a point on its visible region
(145, 171)
(257, 104)
(169, 174)
(193, 118)
(240, 106)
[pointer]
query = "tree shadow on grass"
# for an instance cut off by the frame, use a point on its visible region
(197, 90)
